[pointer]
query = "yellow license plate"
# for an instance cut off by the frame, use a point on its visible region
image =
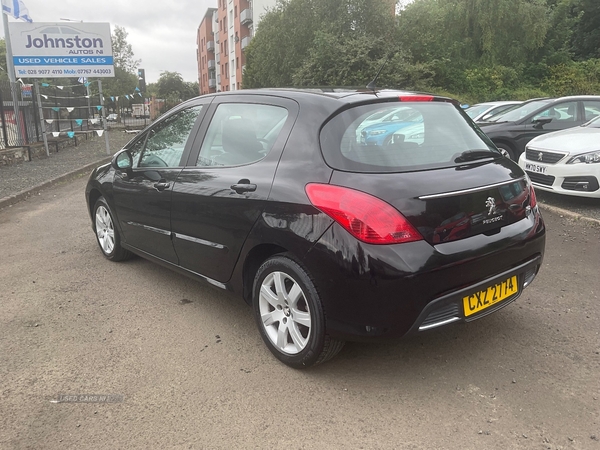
(481, 300)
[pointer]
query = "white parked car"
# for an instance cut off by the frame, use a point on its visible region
(567, 161)
(481, 111)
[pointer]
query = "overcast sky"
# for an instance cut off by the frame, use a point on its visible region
(162, 33)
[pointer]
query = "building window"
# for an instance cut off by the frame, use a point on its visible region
(235, 11)
(226, 70)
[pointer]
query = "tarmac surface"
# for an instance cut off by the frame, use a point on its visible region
(22, 180)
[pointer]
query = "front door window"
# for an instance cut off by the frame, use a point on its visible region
(166, 142)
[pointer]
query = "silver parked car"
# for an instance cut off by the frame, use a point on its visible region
(481, 111)
(567, 161)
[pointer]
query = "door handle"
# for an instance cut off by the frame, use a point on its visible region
(243, 187)
(161, 185)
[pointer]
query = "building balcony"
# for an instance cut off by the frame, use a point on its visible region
(210, 46)
(212, 83)
(245, 42)
(211, 64)
(246, 17)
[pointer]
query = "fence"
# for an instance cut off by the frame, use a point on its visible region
(25, 130)
(64, 110)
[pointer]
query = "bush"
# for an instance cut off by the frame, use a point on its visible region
(576, 78)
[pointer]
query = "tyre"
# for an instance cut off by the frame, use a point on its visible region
(506, 151)
(289, 314)
(107, 234)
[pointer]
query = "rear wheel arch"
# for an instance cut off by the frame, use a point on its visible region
(255, 258)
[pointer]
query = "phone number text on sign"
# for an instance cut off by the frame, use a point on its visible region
(40, 72)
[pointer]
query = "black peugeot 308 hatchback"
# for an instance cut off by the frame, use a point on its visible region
(338, 215)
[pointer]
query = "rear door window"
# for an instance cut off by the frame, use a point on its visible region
(560, 113)
(241, 133)
(592, 109)
(418, 135)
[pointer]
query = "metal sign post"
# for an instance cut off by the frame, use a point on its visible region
(41, 112)
(14, 89)
(102, 115)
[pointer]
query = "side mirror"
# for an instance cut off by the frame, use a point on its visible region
(122, 161)
(539, 123)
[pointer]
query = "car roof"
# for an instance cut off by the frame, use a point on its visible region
(347, 95)
(579, 97)
(498, 103)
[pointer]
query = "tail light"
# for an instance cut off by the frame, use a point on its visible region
(367, 218)
(532, 197)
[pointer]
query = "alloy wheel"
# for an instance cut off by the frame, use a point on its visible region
(105, 230)
(284, 313)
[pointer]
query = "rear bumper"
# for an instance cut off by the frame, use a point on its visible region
(449, 308)
(375, 292)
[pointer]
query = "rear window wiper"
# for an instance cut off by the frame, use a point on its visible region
(473, 155)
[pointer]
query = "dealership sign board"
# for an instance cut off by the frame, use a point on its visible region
(57, 50)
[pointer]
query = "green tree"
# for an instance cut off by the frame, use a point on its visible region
(292, 39)
(487, 49)
(280, 44)
(586, 36)
(474, 31)
(171, 87)
(123, 55)
(192, 89)
(354, 61)
(125, 80)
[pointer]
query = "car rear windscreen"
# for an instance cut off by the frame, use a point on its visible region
(411, 136)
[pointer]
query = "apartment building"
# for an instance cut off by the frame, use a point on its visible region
(205, 53)
(222, 36)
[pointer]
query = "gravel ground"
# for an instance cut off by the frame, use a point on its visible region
(588, 207)
(20, 177)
